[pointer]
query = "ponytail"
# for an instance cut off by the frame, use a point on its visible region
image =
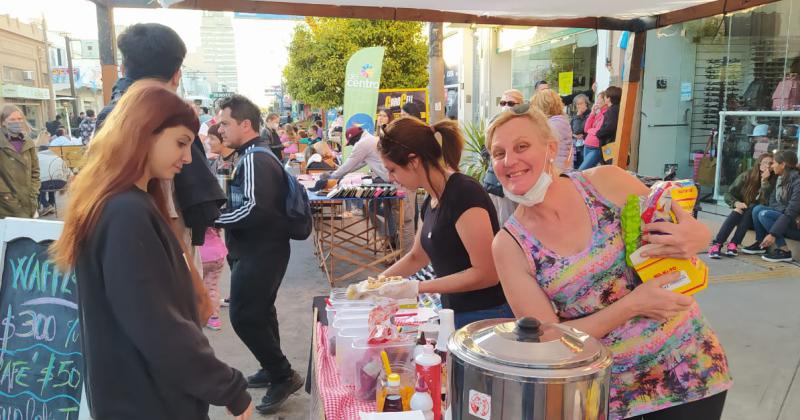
(437, 147)
(451, 143)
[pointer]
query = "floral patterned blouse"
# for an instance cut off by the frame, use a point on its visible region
(656, 366)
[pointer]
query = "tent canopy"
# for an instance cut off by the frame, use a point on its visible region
(634, 15)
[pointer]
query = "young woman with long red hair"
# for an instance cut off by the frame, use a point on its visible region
(146, 355)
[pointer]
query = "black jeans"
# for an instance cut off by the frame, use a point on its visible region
(255, 280)
(741, 222)
(47, 192)
(709, 408)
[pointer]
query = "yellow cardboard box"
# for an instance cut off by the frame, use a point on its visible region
(693, 272)
(686, 198)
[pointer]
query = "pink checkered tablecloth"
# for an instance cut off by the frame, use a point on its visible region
(339, 401)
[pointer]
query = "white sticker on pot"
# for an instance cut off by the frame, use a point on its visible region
(480, 405)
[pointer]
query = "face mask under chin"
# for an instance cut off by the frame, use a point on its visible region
(536, 193)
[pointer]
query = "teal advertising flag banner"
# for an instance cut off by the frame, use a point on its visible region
(362, 80)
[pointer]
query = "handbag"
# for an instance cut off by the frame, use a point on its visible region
(707, 168)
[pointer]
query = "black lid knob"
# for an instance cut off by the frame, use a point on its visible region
(528, 329)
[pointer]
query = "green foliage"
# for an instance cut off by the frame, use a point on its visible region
(320, 49)
(474, 162)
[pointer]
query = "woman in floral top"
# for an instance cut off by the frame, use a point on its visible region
(561, 258)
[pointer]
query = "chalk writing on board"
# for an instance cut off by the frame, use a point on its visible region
(41, 365)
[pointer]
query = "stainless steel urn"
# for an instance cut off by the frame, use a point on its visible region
(523, 369)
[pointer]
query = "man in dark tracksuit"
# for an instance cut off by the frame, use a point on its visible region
(257, 236)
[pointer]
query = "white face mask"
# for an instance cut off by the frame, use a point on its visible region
(536, 194)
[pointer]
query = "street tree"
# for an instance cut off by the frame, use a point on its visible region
(320, 49)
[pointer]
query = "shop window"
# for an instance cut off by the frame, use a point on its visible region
(551, 59)
(748, 67)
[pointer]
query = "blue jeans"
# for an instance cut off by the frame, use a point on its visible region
(387, 209)
(591, 157)
(763, 219)
(463, 318)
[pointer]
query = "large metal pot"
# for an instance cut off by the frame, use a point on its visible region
(525, 370)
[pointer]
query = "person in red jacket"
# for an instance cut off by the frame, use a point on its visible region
(592, 155)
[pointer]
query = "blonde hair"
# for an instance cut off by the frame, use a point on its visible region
(514, 94)
(535, 116)
(548, 102)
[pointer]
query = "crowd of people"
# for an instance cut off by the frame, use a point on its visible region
(192, 191)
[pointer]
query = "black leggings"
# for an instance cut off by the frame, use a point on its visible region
(709, 408)
(741, 222)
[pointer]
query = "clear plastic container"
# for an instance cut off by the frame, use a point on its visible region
(362, 365)
(343, 322)
(344, 341)
(338, 297)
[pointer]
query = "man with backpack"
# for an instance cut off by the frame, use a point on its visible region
(258, 226)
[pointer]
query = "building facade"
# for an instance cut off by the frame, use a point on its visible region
(218, 51)
(728, 84)
(24, 78)
(86, 75)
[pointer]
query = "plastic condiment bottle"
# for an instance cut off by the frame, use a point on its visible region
(446, 329)
(421, 400)
(393, 402)
(429, 369)
(421, 342)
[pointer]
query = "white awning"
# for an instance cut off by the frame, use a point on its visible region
(525, 9)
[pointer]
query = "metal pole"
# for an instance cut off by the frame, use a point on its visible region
(436, 72)
(107, 44)
(51, 104)
(71, 70)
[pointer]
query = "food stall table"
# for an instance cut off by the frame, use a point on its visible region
(353, 240)
(329, 398)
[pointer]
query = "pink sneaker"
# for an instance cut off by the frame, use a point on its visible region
(214, 323)
(732, 250)
(713, 252)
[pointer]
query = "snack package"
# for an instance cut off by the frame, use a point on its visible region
(656, 207)
(381, 328)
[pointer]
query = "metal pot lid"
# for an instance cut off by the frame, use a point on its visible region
(526, 343)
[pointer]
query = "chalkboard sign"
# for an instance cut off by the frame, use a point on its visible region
(41, 365)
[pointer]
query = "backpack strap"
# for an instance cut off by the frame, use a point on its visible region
(250, 151)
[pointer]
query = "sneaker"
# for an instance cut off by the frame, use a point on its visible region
(47, 210)
(754, 249)
(225, 302)
(732, 250)
(279, 392)
(214, 323)
(260, 379)
(713, 252)
(778, 255)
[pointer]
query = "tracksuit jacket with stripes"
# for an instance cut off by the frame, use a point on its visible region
(260, 219)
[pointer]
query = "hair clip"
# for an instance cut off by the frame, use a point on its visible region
(438, 136)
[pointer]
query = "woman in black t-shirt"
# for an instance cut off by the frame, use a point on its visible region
(458, 219)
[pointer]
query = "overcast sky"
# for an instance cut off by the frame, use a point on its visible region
(260, 44)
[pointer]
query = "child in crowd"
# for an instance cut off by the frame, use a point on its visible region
(213, 253)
